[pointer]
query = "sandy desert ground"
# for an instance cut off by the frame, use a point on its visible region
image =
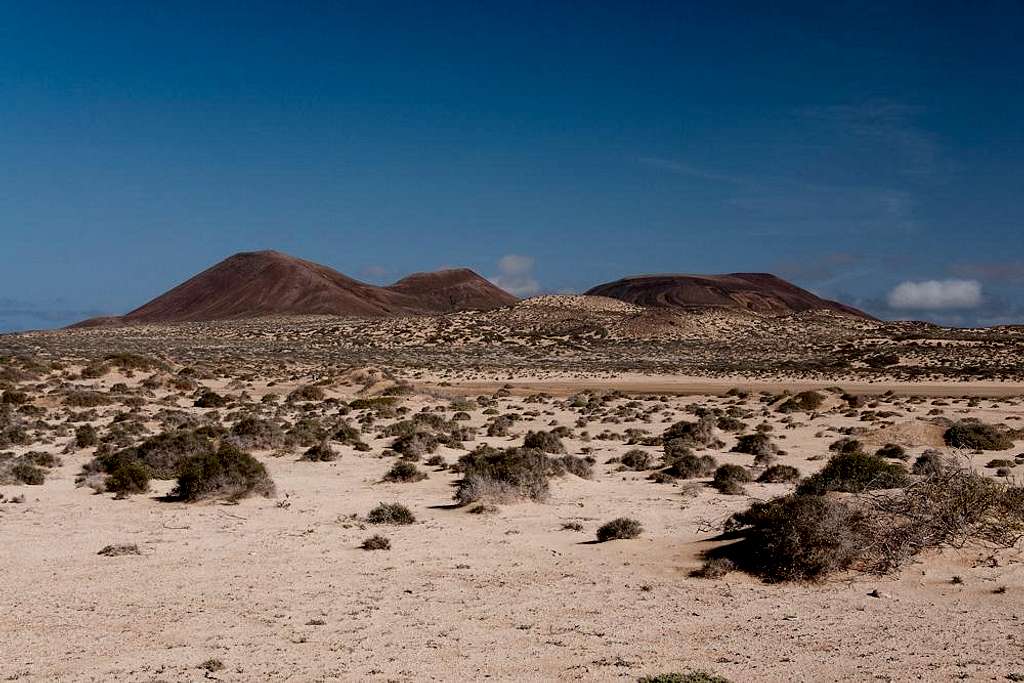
(279, 587)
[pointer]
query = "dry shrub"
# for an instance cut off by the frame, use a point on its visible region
(692, 434)
(376, 542)
(808, 537)
(691, 466)
(805, 401)
(253, 433)
(853, 472)
(85, 398)
(619, 528)
(162, 454)
(322, 452)
(390, 513)
(308, 392)
(226, 473)
(547, 442)
(977, 436)
(779, 474)
(119, 550)
(729, 479)
(502, 475)
(404, 471)
(636, 459)
(758, 444)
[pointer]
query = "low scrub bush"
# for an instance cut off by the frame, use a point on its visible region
(854, 473)
(893, 451)
(390, 513)
(322, 452)
(691, 466)
(808, 537)
(544, 441)
(404, 471)
(779, 474)
(228, 472)
(692, 434)
(805, 401)
(977, 436)
(758, 444)
(729, 479)
(210, 399)
(253, 433)
(620, 528)
(636, 459)
(502, 475)
(376, 542)
(305, 393)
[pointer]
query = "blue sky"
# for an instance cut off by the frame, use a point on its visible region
(872, 152)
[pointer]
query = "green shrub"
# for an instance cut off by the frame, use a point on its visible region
(620, 528)
(390, 513)
(854, 473)
(977, 436)
(227, 473)
(499, 426)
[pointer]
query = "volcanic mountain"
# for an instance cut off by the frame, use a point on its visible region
(756, 292)
(252, 284)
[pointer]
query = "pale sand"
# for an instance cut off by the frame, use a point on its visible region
(510, 596)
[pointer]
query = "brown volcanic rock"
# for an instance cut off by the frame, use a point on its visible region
(458, 289)
(252, 284)
(756, 292)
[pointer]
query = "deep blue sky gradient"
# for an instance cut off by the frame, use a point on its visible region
(847, 146)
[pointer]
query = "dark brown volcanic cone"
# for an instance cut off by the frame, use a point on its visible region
(458, 289)
(260, 283)
(756, 292)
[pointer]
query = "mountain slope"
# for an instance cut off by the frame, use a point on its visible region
(458, 289)
(252, 284)
(757, 292)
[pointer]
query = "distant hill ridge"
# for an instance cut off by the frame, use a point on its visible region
(756, 292)
(261, 283)
(258, 283)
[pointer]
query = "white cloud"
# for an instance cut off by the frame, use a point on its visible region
(515, 275)
(936, 295)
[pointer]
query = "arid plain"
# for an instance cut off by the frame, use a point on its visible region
(500, 442)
